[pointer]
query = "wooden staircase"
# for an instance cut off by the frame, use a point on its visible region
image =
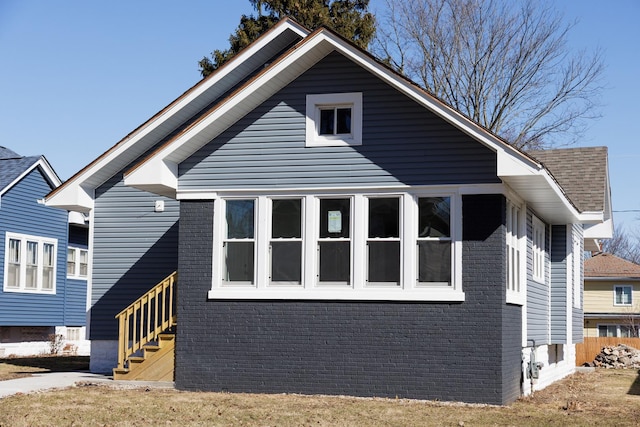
(146, 339)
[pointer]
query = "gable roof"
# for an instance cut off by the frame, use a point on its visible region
(77, 193)
(608, 265)
(158, 171)
(13, 167)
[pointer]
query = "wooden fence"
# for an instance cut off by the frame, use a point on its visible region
(589, 349)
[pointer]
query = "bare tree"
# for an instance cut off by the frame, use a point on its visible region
(624, 245)
(504, 64)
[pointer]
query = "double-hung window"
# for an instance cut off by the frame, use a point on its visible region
(515, 258)
(239, 242)
(434, 241)
(538, 249)
(30, 263)
(286, 241)
(77, 262)
(334, 242)
(623, 295)
(383, 241)
(371, 245)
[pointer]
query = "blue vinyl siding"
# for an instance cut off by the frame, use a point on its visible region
(538, 294)
(21, 213)
(559, 284)
(75, 309)
(134, 248)
(403, 143)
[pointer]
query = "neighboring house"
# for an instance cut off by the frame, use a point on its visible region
(337, 230)
(39, 299)
(611, 297)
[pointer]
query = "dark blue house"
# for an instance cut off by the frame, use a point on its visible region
(337, 230)
(43, 262)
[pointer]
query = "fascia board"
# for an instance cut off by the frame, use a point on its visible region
(602, 229)
(123, 152)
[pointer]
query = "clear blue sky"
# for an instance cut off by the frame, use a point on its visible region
(76, 76)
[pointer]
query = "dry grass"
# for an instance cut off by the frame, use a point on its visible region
(604, 397)
(20, 367)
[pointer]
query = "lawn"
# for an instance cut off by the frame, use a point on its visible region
(604, 397)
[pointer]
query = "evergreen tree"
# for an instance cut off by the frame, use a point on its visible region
(350, 18)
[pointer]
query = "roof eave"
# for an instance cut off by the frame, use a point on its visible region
(73, 193)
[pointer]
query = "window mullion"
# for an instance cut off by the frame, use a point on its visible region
(262, 241)
(359, 243)
(409, 250)
(309, 241)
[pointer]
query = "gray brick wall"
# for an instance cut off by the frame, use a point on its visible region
(448, 351)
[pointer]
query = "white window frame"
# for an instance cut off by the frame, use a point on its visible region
(398, 239)
(76, 273)
(318, 240)
(453, 230)
(615, 291)
(300, 239)
(516, 253)
(316, 102)
(40, 244)
(357, 288)
(224, 240)
(538, 249)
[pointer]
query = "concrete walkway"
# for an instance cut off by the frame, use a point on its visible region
(54, 380)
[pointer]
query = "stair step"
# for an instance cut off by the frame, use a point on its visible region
(153, 364)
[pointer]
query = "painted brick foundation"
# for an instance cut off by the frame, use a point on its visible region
(466, 351)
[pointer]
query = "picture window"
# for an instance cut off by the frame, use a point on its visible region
(334, 119)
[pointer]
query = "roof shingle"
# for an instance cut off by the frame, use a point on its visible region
(608, 265)
(581, 172)
(12, 165)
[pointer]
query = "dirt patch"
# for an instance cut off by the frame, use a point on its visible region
(603, 397)
(18, 367)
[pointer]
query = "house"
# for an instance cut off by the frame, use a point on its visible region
(42, 303)
(611, 293)
(335, 230)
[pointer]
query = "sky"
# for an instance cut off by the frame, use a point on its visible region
(77, 76)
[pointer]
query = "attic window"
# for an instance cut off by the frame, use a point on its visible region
(334, 119)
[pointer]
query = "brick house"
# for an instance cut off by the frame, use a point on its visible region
(336, 230)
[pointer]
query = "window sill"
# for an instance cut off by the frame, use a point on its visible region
(427, 295)
(30, 291)
(515, 299)
(319, 141)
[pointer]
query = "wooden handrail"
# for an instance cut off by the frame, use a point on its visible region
(146, 318)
